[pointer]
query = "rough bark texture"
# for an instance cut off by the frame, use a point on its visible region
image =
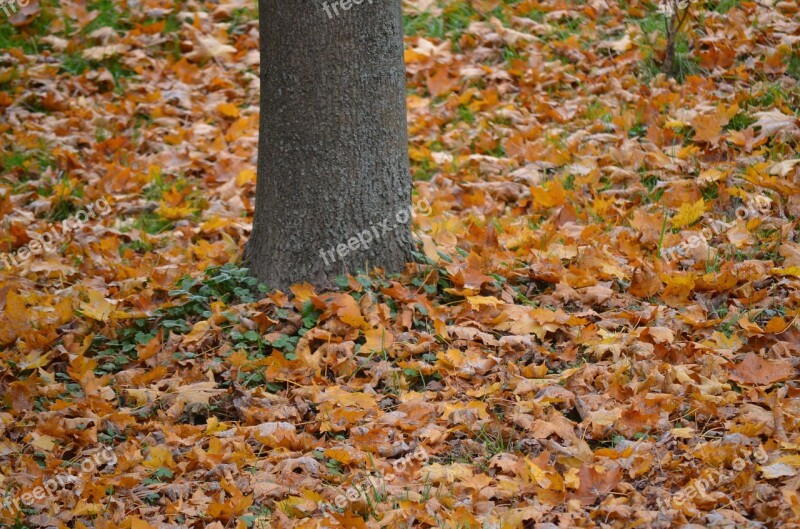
(333, 143)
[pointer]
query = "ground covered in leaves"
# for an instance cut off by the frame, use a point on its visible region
(600, 328)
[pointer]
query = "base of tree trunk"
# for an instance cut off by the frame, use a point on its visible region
(334, 187)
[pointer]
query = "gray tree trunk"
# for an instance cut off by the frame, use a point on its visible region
(334, 187)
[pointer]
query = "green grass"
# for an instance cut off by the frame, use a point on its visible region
(77, 64)
(152, 223)
(424, 24)
(794, 66)
(62, 209)
(455, 18)
(654, 21)
(686, 63)
(595, 111)
(493, 441)
(27, 166)
(710, 192)
(767, 98)
(14, 160)
(564, 29)
(726, 5)
(424, 170)
(26, 38)
(650, 181)
(109, 16)
(639, 130)
(740, 121)
(465, 114)
(241, 17)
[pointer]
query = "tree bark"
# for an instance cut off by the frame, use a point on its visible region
(333, 142)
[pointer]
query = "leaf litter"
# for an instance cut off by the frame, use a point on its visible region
(549, 356)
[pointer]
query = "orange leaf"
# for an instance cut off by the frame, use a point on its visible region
(441, 83)
(228, 110)
(760, 371)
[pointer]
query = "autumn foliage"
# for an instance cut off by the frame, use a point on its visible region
(600, 327)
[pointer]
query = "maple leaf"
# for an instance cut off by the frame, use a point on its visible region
(595, 482)
(228, 110)
(98, 307)
(24, 15)
(773, 121)
(688, 214)
(761, 371)
(159, 456)
(539, 349)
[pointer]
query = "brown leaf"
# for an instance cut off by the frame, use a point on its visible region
(25, 15)
(761, 371)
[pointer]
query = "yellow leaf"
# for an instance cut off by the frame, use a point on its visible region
(44, 442)
(687, 152)
(159, 456)
(571, 479)
(339, 454)
(215, 447)
(174, 213)
(516, 518)
(213, 426)
(245, 177)
(345, 398)
(377, 340)
(303, 291)
(791, 271)
(198, 332)
(679, 287)
(228, 110)
(296, 507)
(438, 473)
(349, 312)
(541, 476)
(33, 360)
(478, 301)
(482, 391)
(683, 433)
(241, 126)
(98, 307)
(793, 460)
(675, 124)
(83, 508)
(475, 408)
(549, 196)
(142, 396)
(602, 204)
(688, 214)
(711, 175)
(137, 523)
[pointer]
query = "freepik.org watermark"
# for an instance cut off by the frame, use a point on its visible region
(716, 478)
(670, 7)
(13, 5)
(378, 488)
(759, 205)
(47, 241)
(375, 232)
(344, 4)
(16, 503)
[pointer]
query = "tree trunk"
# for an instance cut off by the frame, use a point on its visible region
(669, 56)
(334, 187)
